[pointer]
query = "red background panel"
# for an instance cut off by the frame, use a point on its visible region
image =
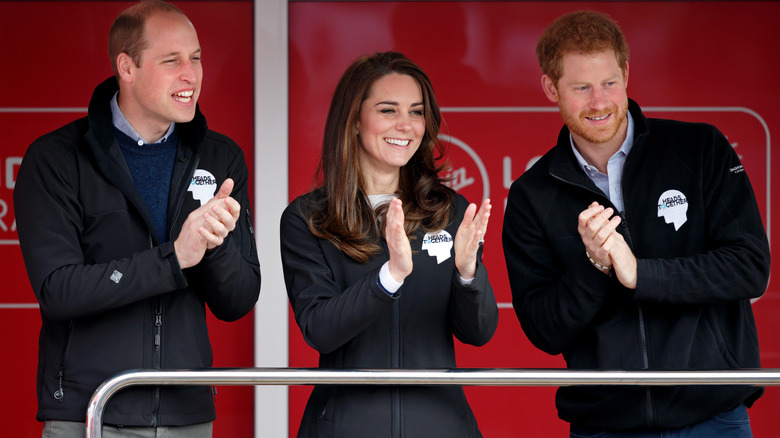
(53, 55)
(717, 57)
(696, 61)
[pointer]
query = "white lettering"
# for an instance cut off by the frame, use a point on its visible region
(3, 212)
(459, 179)
(10, 164)
(508, 172)
(509, 178)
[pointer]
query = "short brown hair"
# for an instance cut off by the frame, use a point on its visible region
(127, 32)
(580, 32)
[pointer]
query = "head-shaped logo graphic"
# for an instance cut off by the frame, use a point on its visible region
(438, 244)
(203, 186)
(673, 207)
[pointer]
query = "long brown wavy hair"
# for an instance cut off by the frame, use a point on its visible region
(340, 211)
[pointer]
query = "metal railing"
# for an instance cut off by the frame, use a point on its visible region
(460, 376)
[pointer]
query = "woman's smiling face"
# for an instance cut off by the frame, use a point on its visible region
(391, 124)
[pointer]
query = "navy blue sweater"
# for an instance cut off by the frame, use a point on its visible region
(151, 167)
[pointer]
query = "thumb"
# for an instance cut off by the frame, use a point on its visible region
(225, 189)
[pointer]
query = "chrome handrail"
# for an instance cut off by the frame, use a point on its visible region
(459, 376)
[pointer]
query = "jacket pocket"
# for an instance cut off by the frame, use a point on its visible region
(720, 342)
(59, 392)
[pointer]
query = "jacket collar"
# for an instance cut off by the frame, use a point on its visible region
(564, 164)
(101, 124)
(111, 162)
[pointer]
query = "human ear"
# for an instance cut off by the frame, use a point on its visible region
(625, 75)
(548, 86)
(124, 66)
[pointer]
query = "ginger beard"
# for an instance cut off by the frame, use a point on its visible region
(591, 131)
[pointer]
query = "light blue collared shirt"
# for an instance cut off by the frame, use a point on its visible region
(120, 122)
(610, 183)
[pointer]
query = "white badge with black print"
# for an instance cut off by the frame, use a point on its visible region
(203, 186)
(673, 207)
(438, 244)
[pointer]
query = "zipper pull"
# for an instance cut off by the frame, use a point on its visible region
(59, 394)
(158, 324)
(248, 216)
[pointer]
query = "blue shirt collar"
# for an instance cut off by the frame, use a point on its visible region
(121, 123)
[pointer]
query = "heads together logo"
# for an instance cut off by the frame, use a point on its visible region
(438, 244)
(203, 186)
(468, 176)
(673, 207)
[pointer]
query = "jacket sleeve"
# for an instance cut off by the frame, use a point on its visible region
(554, 299)
(736, 262)
(474, 310)
(49, 220)
(229, 275)
(328, 316)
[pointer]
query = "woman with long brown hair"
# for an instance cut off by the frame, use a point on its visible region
(382, 261)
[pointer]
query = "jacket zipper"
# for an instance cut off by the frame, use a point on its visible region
(248, 216)
(189, 173)
(59, 394)
(396, 345)
(172, 221)
(640, 313)
(157, 348)
(642, 327)
(157, 354)
(158, 313)
(395, 355)
(645, 362)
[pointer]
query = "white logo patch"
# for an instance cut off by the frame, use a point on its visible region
(115, 276)
(438, 244)
(673, 207)
(203, 186)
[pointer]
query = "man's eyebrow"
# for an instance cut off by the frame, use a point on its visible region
(175, 53)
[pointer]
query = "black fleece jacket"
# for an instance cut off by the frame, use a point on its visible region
(691, 309)
(352, 322)
(111, 297)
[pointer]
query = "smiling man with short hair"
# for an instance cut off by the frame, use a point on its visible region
(633, 244)
(122, 253)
